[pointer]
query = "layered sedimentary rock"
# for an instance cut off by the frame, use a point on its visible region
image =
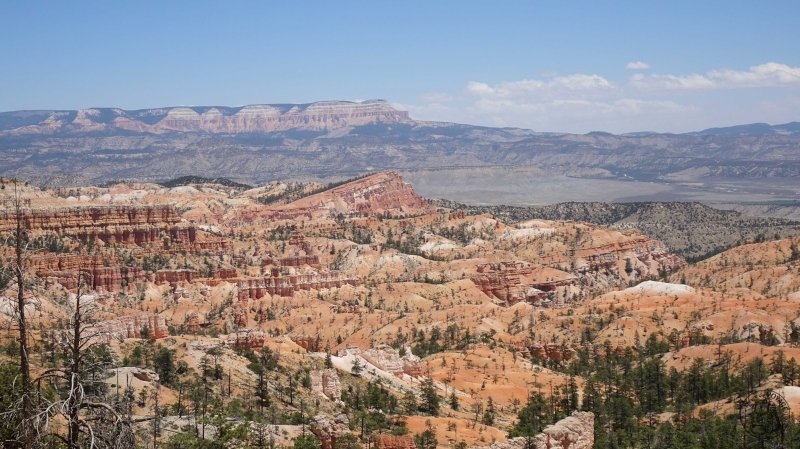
(224, 273)
(147, 231)
(381, 193)
(246, 339)
(646, 254)
(319, 116)
(386, 441)
(174, 276)
(301, 253)
(281, 284)
(515, 281)
(573, 432)
(156, 226)
(78, 220)
(91, 272)
(326, 381)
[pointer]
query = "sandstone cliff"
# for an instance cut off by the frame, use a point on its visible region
(381, 193)
(260, 118)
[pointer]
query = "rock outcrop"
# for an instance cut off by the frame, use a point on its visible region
(173, 277)
(246, 339)
(328, 430)
(92, 272)
(388, 359)
(385, 192)
(552, 351)
(95, 220)
(381, 193)
(326, 381)
(154, 226)
(573, 432)
(515, 281)
(133, 326)
(280, 284)
(647, 256)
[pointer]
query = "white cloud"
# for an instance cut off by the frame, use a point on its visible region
(558, 85)
(584, 102)
(770, 74)
(637, 65)
(671, 82)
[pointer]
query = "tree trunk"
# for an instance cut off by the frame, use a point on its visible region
(74, 375)
(28, 434)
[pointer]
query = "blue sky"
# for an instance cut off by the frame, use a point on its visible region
(550, 66)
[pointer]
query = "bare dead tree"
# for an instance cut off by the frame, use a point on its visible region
(90, 421)
(15, 270)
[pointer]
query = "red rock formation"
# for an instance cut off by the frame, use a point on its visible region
(278, 284)
(607, 257)
(153, 229)
(381, 193)
(552, 351)
(299, 240)
(84, 220)
(98, 272)
(224, 273)
(156, 226)
(376, 194)
(299, 261)
(193, 322)
(246, 339)
(240, 316)
(515, 281)
(303, 253)
(306, 342)
(174, 277)
(386, 441)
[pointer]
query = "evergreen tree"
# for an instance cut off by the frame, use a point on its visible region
(306, 441)
(454, 401)
(426, 439)
(410, 405)
(165, 365)
(489, 413)
(532, 418)
(430, 400)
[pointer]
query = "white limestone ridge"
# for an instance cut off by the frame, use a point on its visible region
(318, 116)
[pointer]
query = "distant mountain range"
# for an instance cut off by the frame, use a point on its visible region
(337, 139)
(260, 118)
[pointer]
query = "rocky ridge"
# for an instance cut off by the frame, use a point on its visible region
(262, 118)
